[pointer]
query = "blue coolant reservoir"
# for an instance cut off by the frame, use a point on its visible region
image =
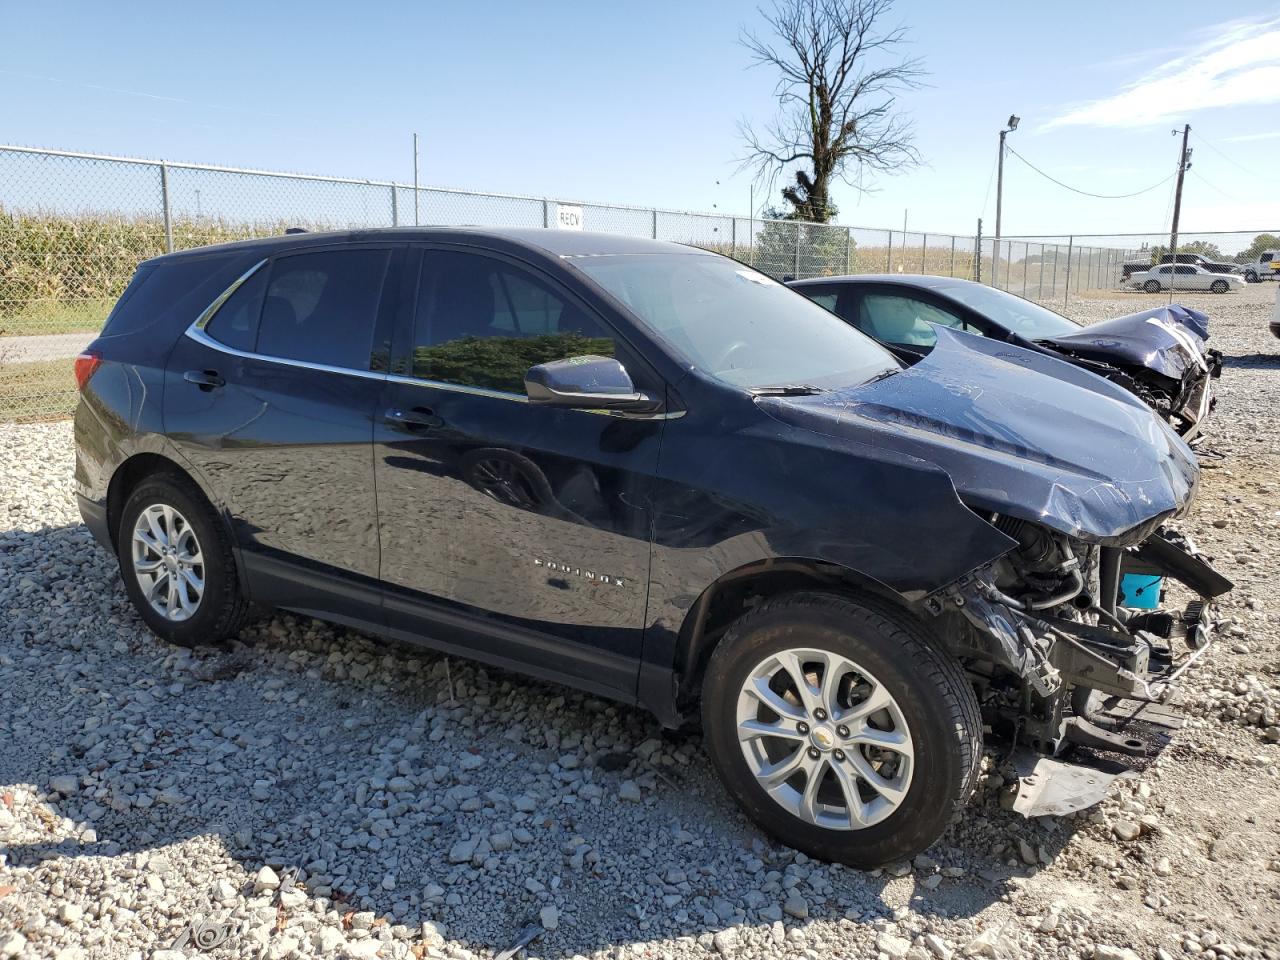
(1140, 590)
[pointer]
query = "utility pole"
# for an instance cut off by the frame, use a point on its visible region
(1013, 125)
(1184, 163)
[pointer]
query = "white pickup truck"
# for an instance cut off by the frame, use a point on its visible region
(1266, 267)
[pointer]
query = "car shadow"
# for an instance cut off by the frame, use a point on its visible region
(367, 767)
(1254, 361)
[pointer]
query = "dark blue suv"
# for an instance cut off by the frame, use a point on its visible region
(656, 474)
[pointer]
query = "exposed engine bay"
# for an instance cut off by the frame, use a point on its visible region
(1074, 673)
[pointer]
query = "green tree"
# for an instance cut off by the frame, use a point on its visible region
(823, 250)
(1263, 241)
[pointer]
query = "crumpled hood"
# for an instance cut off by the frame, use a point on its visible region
(1167, 340)
(1020, 433)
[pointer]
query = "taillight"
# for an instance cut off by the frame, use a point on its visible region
(86, 364)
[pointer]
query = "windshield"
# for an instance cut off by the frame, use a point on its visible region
(1023, 317)
(737, 324)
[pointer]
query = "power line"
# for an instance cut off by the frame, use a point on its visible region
(1212, 186)
(1086, 193)
(1209, 144)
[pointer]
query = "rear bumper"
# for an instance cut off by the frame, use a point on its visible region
(94, 514)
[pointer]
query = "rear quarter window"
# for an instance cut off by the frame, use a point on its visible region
(169, 293)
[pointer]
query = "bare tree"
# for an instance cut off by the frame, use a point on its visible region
(839, 75)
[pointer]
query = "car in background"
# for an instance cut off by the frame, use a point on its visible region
(1184, 276)
(1160, 355)
(656, 474)
(1266, 267)
(1275, 317)
(1194, 259)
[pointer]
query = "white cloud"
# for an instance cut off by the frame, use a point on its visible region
(1240, 65)
(1250, 137)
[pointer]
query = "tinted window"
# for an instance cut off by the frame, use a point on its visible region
(737, 324)
(236, 322)
(904, 320)
(483, 323)
(1184, 269)
(322, 307)
(176, 290)
(824, 297)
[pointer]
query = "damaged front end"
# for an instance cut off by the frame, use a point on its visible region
(1160, 355)
(1075, 661)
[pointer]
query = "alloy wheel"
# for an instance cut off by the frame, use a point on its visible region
(825, 739)
(168, 562)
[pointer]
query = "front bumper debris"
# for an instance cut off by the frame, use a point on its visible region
(1098, 700)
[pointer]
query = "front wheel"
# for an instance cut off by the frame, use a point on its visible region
(840, 728)
(1151, 286)
(1250, 277)
(1219, 286)
(177, 564)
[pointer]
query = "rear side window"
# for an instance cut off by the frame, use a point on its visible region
(170, 291)
(322, 307)
(236, 322)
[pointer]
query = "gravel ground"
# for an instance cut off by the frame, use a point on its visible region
(309, 792)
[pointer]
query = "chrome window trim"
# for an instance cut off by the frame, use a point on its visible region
(518, 398)
(207, 313)
(202, 338)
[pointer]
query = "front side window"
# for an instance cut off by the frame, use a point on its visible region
(736, 324)
(483, 323)
(1185, 270)
(904, 320)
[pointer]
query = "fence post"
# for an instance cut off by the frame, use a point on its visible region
(546, 213)
(924, 253)
(1026, 252)
(733, 231)
(1071, 240)
(848, 249)
(951, 271)
(164, 202)
(655, 224)
(977, 254)
(795, 272)
(1040, 287)
(395, 207)
(888, 263)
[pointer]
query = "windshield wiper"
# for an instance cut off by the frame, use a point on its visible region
(787, 390)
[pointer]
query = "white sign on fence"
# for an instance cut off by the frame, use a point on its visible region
(567, 218)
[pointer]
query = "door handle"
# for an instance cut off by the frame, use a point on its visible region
(204, 379)
(416, 418)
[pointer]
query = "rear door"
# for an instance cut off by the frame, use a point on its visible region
(272, 399)
(532, 521)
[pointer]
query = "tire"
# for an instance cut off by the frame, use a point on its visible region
(195, 531)
(1151, 286)
(1250, 277)
(1219, 286)
(931, 704)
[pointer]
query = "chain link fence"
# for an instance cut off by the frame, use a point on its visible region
(74, 226)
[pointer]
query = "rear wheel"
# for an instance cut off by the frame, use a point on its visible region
(1250, 277)
(1151, 286)
(1219, 286)
(840, 728)
(177, 564)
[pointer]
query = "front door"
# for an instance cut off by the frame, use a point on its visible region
(273, 401)
(532, 518)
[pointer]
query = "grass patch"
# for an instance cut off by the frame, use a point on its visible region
(52, 316)
(37, 391)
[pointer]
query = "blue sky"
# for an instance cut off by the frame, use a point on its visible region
(640, 102)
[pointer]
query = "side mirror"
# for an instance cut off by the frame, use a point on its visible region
(586, 383)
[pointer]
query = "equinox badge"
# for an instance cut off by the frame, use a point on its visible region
(579, 572)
